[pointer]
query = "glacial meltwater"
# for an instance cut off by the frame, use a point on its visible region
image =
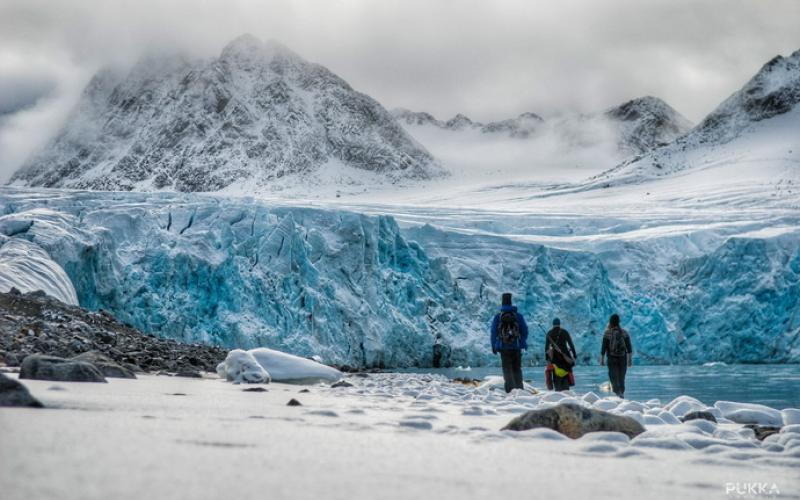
(777, 386)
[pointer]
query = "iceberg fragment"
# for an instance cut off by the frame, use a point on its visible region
(284, 367)
(241, 367)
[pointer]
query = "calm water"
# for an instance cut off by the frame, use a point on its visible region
(777, 386)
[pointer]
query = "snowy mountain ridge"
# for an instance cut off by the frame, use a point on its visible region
(255, 114)
(521, 126)
(638, 125)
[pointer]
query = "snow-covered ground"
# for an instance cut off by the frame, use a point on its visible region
(389, 436)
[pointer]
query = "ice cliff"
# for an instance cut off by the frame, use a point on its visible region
(360, 290)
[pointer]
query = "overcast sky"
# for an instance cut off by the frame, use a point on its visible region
(486, 59)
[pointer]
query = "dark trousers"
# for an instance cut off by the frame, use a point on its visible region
(560, 383)
(617, 367)
(512, 368)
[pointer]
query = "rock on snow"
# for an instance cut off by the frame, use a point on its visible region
(574, 421)
(13, 393)
(40, 367)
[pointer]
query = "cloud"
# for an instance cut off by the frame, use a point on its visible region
(489, 60)
(37, 91)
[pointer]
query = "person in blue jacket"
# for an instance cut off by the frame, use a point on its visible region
(509, 337)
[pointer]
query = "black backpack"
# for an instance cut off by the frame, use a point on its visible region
(508, 330)
(616, 343)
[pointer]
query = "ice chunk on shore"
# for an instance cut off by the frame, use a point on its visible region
(28, 268)
(590, 397)
(791, 416)
(749, 413)
(682, 405)
(605, 404)
(241, 367)
(289, 368)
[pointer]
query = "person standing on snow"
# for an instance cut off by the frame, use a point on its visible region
(560, 352)
(617, 345)
(509, 335)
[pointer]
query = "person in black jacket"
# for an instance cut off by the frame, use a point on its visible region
(560, 351)
(617, 346)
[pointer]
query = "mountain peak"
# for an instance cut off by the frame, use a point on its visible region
(244, 42)
(635, 108)
(249, 118)
(773, 91)
(250, 49)
(646, 122)
(765, 107)
(458, 122)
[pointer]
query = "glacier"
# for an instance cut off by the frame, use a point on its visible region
(27, 267)
(377, 290)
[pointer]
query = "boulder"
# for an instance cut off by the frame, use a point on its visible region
(41, 367)
(700, 414)
(13, 393)
(107, 366)
(188, 373)
(574, 421)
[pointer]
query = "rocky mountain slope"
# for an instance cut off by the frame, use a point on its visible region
(758, 126)
(646, 123)
(256, 113)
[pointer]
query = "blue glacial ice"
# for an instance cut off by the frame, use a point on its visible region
(362, 290)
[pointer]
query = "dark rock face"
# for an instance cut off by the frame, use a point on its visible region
(698, 415)
(253, 115)
(106, 365)
(294, 402)
(13, 393)
(34, 323)
(574, 421)
(41, 367)
(342, 383)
